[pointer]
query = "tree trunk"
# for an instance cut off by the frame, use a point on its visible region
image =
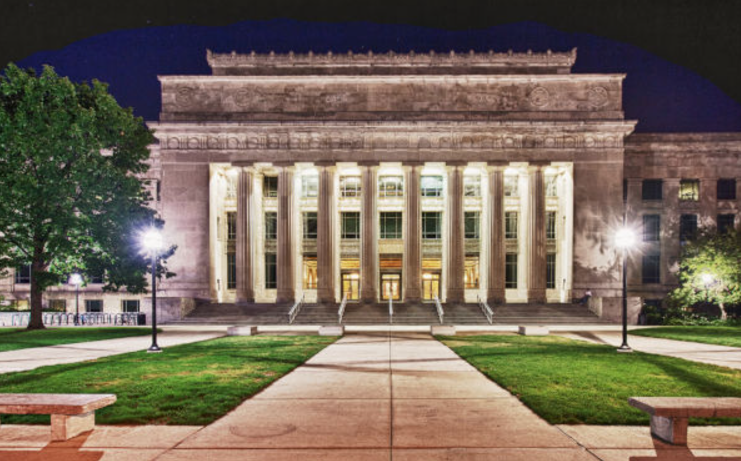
(723, 313)
(36, 321)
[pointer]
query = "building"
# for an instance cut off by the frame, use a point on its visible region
(500, 176)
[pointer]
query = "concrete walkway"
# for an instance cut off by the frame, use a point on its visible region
(697, 352)
(28, 359)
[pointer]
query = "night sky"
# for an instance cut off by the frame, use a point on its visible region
(662, 96)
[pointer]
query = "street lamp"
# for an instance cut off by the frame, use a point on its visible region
(625, 239)
(151, 241)
(76, 280)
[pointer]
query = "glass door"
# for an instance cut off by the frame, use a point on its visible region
(430, 285)
(351, 285)
(391, 287)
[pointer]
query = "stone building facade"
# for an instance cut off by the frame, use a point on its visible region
(500, 176)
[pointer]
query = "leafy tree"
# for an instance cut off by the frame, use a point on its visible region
(71, 197)
(710, 271)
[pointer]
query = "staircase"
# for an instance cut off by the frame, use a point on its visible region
(404, 314)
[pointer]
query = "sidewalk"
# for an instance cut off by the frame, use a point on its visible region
(724, 356)
(28, 359)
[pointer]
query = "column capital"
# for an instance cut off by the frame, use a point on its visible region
(456, 163)
(325, 164)
(242, 163)
(538, 165)
(368, 163)
(412, 163)
(284, 164)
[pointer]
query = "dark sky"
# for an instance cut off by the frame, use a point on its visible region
(662, 96)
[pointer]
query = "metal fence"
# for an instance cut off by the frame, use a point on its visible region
(86, 318)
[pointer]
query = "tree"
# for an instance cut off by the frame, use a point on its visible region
(71, 194)
(710, 271)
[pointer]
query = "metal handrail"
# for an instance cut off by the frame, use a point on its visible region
(293, 312)
(488, 313)
(341, 310)
(440, 311)
(391, 310)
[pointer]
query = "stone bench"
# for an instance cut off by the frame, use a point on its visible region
(71, 414)
(669, 415)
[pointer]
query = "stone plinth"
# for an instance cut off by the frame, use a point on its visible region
(533, 330)
(241, 331)
(331, 330)
(442, 330)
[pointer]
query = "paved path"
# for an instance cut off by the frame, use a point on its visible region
(697, 352)
(28, 359)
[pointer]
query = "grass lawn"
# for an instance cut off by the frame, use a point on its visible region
(187, 384)
(19, 338)
(724, 336)
(573, 382)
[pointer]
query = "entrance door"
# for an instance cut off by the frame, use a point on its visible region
(430, 285)
(351, 285)
(391, 287)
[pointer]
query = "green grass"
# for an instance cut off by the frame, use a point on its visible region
(187, 384)
(19, 338)
(724, 336)
(573, 382)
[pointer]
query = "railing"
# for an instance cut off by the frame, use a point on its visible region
(440, 311)
(293, 312)
(86, 318)
(341, 310)
(391, 310)
(488, 313)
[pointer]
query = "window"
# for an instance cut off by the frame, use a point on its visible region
(432, 225)
(309, 186)
(510, 270)
(432, 186)
(23, 274)
(390, 224)
(652, 189)
(231, 270)
(726, 222)
(551, 189)
(510, 186)
(471, 273)
(472, 186)
(391, 186)
(687, 227)
(93, 305)
(351, 225)
(471, 224)
(271, 271)
(58, 305)
(231, 225)
(651, 227)
(270, 186)
(550, 270)
(650, 270)
(310, 225)
(271, 225)
(726, 189)
(130, 305)
(510, 225)
(350, 186)
(310, 277)
(550, 225)
(95, 278)
(689, 190)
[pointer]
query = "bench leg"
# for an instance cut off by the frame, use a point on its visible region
(671, 430)
(64, 427)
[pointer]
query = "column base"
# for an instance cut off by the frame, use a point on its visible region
(455, 295)
(536, 296)
(325, 296)
(495, 297)
(244, 301)
(286, 297)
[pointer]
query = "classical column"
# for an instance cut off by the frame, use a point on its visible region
(325, 236)
(286, 289)
(412, 241)
(456, 255)
(369, 238)
(536, 235)
(245, 289)
(495, 288)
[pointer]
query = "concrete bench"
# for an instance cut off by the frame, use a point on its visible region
(669, 415)
(71, 414)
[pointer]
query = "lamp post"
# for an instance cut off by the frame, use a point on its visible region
(152, 244)
(76, 280)
(625, 239)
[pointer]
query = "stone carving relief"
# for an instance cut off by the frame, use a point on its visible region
(539, 97)
(597, 97)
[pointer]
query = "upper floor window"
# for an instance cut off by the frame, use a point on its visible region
(472, 186)
(231, 225)
(689, 190)
(390, 222)
(310, 225)
(550, 225)
(431, 186)
(726, 222)
(271, 225)
(551, 186)
(651, 227)
(391, 186)
(511, 188)
(687, 227)
(350, 186)
(432, 225)
(23, 274)
(510, 225)
(726, 189)
(652, 189)
(309, 186)
(270, 186)
(350, 225)
(471, 221)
